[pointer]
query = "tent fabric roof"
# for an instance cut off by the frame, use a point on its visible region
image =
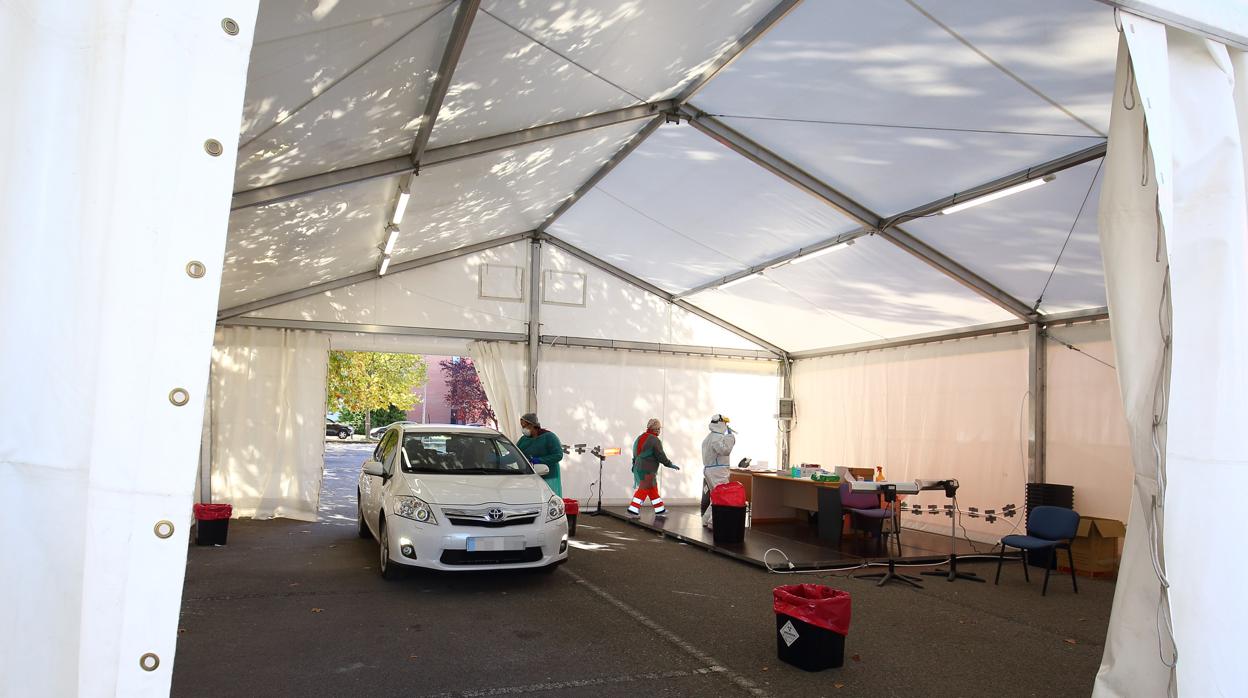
(893, 104)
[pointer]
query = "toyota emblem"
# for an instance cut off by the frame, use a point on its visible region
(494, 515)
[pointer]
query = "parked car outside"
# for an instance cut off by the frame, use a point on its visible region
(342, 431)
(454, 498)
(378, 431)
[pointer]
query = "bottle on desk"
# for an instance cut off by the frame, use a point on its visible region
(879, 474)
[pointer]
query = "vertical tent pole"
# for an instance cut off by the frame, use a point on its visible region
(786, 392)
(1036, 414)
(535, 327)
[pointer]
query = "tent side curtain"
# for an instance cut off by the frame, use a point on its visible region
(267, 412)
(603, 397)
(959, 410)
(501, 368)
(1173, 227)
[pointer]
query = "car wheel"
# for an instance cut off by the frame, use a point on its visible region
(389, 570)
(359, 517)
(343, 433)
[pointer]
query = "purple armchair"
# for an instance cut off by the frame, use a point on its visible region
(864, 505)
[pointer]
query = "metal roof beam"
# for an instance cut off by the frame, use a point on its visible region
(369, 275)
(389, 167)
(476, 335)
(740, 46)
(1037, 172)
(734, 140)
(1009, 326)
(657, 348)
(887, 228)
(661, 293)
(774, 261)
(949, 267)
(602, 172)
(464, 14)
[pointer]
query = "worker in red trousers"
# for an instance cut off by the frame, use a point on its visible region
(648, 455)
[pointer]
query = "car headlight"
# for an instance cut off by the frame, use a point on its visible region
(554, 508)
(414, 508)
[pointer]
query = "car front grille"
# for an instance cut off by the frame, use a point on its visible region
(491, 517)
(491, 524)
(491, 557)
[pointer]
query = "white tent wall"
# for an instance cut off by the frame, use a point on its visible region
(267, 421)
(1086, 442)
(1174, 223)
(446, 295)
(612, 308)
(111, 188)
(943, 410)
(959, 409)
(604, 397)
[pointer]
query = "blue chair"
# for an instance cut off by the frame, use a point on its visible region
(1048, 528)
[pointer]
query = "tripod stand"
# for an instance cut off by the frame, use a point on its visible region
(602, 458)
(892, 575)
(951, 491)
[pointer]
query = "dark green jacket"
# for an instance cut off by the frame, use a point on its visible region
(546, 449)
(648, 456)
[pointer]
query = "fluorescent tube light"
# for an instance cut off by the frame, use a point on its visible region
(738, 282)
(401, 206)
(391, 238)
(385, 265)
(1032, 184)
(819, 253)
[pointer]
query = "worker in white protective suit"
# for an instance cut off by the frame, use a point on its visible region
(716, 452)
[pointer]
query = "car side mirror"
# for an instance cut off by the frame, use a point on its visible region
(541, 469)
(374, 468)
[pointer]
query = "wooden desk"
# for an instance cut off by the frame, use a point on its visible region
(776, 497)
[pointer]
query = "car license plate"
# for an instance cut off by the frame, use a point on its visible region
(495, 543)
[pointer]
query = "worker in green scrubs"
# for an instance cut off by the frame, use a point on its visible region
(542, 446)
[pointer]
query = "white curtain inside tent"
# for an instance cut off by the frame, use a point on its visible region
(604, 398)
(1174, 210)
(268, 410)
(491, 360)
(933, 411)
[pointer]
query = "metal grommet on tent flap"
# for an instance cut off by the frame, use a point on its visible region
(163, 528)
(149, 662)
(230, 26)
(179, 397)
(196, 269)
(213, 147)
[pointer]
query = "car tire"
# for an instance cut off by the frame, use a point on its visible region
(389, 569)
(343, 433)
(359, 516)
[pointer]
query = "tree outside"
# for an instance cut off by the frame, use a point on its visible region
(364, 382)
(466, 397)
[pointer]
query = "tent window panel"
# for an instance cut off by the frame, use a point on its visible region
(564, 288)
(500, 282)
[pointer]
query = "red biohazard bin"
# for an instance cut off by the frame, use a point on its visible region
(728, 513)
(571, 507)
(811, 624)
(212, 523)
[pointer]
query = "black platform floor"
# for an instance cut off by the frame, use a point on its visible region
(798, 542)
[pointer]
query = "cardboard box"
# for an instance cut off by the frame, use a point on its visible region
(1095, 547)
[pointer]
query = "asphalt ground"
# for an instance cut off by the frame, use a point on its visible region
(297, 609)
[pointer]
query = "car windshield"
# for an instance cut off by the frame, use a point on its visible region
(471, 454)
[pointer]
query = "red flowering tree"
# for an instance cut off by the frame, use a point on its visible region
(465, 396)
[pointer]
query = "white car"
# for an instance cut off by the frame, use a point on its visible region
(458, 498)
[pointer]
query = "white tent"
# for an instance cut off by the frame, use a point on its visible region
(621, 210)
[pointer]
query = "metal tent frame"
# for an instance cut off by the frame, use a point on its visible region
(677, 109)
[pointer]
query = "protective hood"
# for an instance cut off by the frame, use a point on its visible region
(718, 427)
(476, 490)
